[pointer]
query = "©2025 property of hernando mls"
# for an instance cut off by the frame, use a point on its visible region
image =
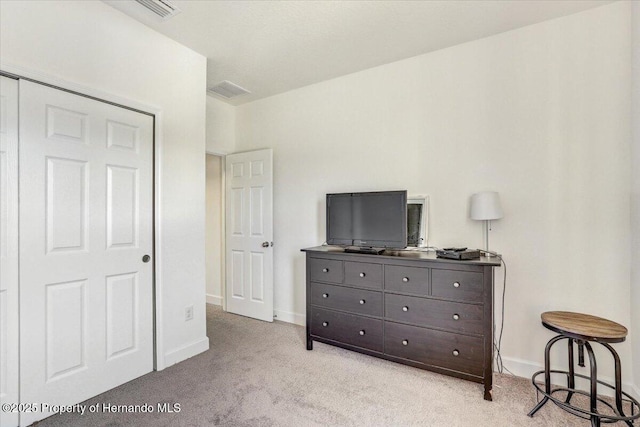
(319, 212)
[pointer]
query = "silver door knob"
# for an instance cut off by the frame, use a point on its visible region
(405, 342)
(405, 279)
(146, 258)
(325, 295)
(456, 317)
(325, 324)
(405, 308)
(325, 270)
(456, 284)
(456, 353)
(362, 332)
(362, 302)
(362, 274)
(265, 244)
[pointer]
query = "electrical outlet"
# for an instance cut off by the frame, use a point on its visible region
(188, 313)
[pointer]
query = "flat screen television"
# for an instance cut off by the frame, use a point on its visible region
(367, 220)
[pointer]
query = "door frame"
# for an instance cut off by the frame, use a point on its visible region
(19, 72)
(223, 218)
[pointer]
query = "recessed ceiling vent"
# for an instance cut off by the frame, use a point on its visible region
(227, 90)
(162, 8)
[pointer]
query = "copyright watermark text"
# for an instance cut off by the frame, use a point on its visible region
(82, 409)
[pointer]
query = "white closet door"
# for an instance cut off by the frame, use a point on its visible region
(85, 226)
(249, 234)
(8, 248)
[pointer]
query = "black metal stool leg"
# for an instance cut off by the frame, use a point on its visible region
(618, 380)
(547, 374)
(595, 420)
(571, 379)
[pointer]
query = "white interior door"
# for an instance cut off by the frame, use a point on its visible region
(8, 249)
(249, 234)
(85, 225)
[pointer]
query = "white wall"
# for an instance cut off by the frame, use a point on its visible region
(221, 121)
(91, 44)
(539, 114)
(635, 195)
(213, 232)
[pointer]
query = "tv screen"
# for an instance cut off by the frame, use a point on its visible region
(376, 219)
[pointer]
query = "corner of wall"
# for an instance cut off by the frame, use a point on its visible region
(635, 193)
(221, 126)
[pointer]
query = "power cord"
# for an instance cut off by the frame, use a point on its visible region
(498, 344)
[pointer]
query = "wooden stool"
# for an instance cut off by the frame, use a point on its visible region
(583, 329)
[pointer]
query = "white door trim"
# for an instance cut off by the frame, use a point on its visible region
(223, 231)
(43, 78)
(10, 264)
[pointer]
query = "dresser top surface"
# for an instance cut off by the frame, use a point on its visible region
(405, 254)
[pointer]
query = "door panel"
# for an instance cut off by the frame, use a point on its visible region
(66, 204)
(8, 248)
(122, 209)
(85, 223)
(65, 334)
(122, 312)
(249, 213)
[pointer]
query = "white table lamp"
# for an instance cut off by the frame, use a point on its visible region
(485, 206)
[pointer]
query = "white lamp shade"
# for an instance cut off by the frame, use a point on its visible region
(486, 206)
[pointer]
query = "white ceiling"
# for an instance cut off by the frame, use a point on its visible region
(270, 47)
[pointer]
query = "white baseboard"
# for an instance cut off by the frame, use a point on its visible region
(519, 367)
(289, 317)
(635, 391)
(214, 299)
(185, 352)
(526, 369)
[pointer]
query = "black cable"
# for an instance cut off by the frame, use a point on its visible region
(498, 345)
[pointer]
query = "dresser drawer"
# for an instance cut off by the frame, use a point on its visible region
(347, 328)
(454, 316)
(444, 349)
(357, 301)
(413, 280)
(457, 285)
(325, 270)
(363, 274)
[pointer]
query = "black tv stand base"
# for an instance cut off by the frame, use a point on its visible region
(362, 250)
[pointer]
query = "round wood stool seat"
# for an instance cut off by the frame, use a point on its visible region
(582, 329)
(584, 326)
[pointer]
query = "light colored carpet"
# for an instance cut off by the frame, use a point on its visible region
(260, 374)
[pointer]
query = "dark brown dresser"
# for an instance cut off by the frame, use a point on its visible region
(409, 307)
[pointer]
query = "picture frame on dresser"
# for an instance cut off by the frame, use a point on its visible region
(417, 221)
(408, 307)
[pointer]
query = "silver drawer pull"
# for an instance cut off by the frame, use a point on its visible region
(456, 353)
(325, 295)
(362, 302)
(325, 270)
(362, 274)
(325, 324)
(405, 308)
(405, 279)
(456, 317)
(456, 284)
(405, 342)
(362, 332)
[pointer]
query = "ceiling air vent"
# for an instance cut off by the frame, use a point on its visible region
(162, 8)
(227, 90)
